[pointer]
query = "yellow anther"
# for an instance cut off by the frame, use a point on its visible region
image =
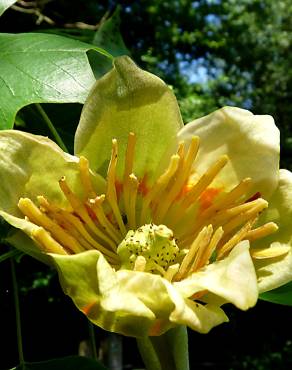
(191, 155)
(236, 238)
(198, 260)
(96, 206)
(47, 243)
(181, 149)
(178, 182)
(263, 253)
(76, 226)
(85, 177)
(204, 181)
(35, 215)
(259, 206)
(222, 217)
(159, 186)
(133, 188)
(129, 162)
(262, 231)
(80, 209)
(202, 239)
(224, 201)
(111, 193)
(210, 249)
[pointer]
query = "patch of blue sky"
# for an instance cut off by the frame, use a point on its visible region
(197, 71)
(213, 19)
(194, 71)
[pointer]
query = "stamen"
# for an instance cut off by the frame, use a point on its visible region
(271, 252)
(66, 225)
(96, 206)
(85, 178)
(176, 215)
(160, 185)
(111, 193)
(56, 214)
(262, 231)
(181, 149)
(191, 154)
(197, 263)
(210, 249)
(29, 209)
(181, 177)
(261, 204)
(205, 180)
(201, 240)
(233, 196)
(77, 224)
(223, 202)
(133, 187)
(129, 162)
(48, 244)
(238, 237)
(222, 217)
(80, 209)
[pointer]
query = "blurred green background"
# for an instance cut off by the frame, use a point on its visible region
(213, 53)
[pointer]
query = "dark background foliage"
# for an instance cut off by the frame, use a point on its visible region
(213, 53)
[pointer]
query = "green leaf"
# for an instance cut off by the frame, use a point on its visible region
(109, 38)
(282, 295)
(38, 68)
(66, 363)
(5, 4)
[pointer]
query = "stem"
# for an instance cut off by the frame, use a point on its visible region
(51, 127)
(148, 354)
(12, 253)
(168, 351)
(92, 340)
(17, 315)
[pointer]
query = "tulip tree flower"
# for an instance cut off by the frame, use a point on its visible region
(152, 224)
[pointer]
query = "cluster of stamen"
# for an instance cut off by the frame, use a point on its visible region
(126, 224)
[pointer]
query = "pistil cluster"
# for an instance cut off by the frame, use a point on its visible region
(173, 227)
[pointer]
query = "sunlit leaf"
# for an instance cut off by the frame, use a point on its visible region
(37, 68)
(282, 295)
(109, 38)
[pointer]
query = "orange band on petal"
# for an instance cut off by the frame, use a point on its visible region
(86, 309)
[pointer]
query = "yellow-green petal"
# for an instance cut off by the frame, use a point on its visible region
(32, 165)
(128, 99)
(250, 141)
(126, 301)
(201, 318)
(113, 301)
(233, 279)
(274, 272)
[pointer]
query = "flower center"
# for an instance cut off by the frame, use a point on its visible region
(207, 221)
(150, 248)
